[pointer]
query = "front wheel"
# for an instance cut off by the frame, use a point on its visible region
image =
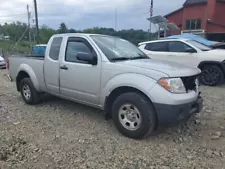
(211, 75)
(133, 115)
(28, 92)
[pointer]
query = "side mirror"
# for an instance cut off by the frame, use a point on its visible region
(191, 50)
(87, 57)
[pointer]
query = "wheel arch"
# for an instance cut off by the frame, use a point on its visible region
(116, 93)
(204, 63)
(124, 83)
(21, 75)
(25, 71)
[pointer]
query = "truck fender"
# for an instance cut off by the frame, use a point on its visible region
(26, 68)
(133, 80)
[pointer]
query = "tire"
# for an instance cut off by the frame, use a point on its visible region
(27, 88)
(146, 117)
(211, 75)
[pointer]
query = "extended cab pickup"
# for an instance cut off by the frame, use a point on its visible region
(109, 73)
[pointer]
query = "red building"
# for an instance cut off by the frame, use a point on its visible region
(205, 17)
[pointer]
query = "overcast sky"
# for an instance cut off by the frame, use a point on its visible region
(81, 14)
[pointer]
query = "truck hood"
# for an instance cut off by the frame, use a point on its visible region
(170, 68)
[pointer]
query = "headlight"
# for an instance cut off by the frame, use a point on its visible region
(174, 85)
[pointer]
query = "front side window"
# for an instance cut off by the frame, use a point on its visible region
(193, 24)
(55, 48)
(74, 47)
(158, 47)
(178, 47)
(118, 49)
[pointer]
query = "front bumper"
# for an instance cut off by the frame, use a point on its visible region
(2, 65)
(174, 114)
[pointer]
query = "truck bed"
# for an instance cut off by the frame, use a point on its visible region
(34, 64)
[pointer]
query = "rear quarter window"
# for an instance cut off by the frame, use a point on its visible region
(158, 46)
(55, 48)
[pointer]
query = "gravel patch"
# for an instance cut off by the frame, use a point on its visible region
(62, 134)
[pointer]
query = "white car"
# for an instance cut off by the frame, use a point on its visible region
(2, 62)
(191, 53)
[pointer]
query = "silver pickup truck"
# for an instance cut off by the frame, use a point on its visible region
(109, 73)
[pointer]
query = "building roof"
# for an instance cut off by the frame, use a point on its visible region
(194, 2)
(190, 3)
(216, 23)
(171, 13)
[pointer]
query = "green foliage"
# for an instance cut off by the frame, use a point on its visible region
(46, 33)
(10, 46)
(62, 28)
(17, 29)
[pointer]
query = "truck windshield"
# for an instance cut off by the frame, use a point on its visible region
(116, 49)
(199, 45)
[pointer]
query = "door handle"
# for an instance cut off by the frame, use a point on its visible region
(64, 67)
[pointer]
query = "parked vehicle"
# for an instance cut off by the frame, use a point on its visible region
(211, 44)
(109, 73)
(191, 53)
(2, 63)
(39, 50)
(219, 45)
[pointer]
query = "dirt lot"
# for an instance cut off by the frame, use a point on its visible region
(62, 134)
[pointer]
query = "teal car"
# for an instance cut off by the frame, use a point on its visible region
(39, 50)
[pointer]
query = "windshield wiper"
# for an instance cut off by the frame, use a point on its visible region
(129, 58)
(139, 57)
(120, 59)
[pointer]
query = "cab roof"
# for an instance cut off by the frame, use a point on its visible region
(163, 40)
(78, 34)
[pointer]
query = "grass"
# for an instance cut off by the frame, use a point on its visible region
(8, 46)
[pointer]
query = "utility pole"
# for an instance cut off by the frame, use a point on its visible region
(36, 19)
(150, 24)
(34, 34)
(29, 16)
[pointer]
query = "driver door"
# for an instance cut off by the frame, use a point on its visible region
(80, 80)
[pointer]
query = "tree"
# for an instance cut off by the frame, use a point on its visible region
(16, 29)
(46, 33)
(63, 28)
(72, 31)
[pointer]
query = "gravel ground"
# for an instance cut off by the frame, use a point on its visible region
(62, 134)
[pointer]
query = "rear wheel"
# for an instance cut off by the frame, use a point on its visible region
(133, 115)
(28, 92)
(211, 75)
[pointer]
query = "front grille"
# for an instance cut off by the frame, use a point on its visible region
(190, 83)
